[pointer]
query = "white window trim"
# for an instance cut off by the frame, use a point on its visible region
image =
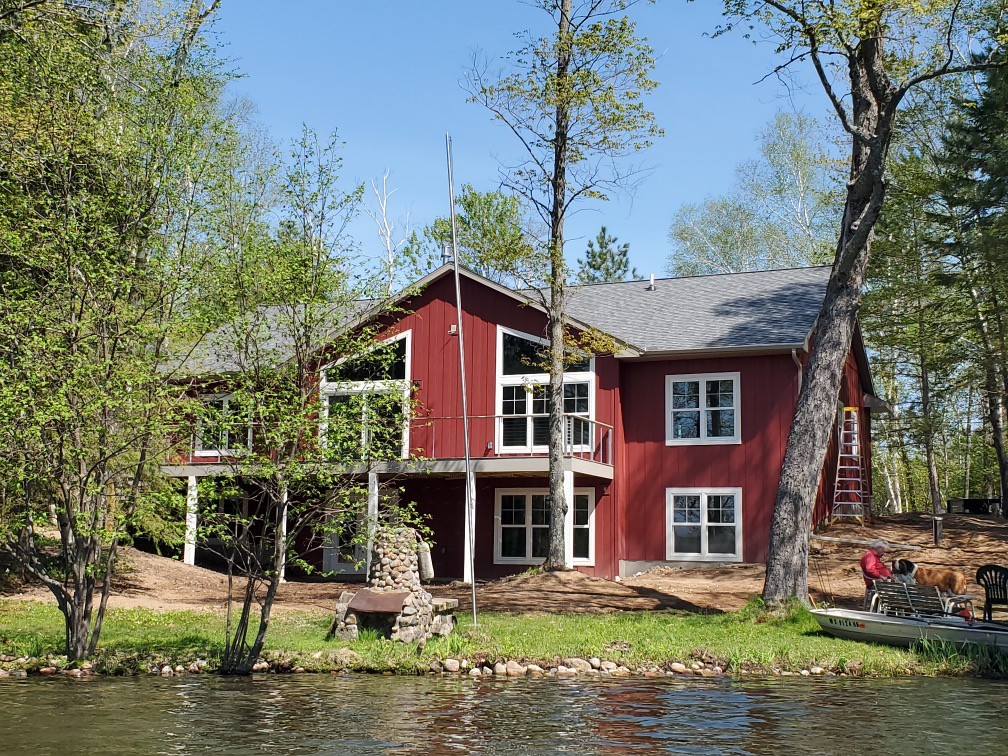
(528, 380)
(568, 526)
(346, 388)
(704, 440)
(672, 556)
(201, 450)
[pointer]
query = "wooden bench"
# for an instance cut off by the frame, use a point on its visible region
(900, 599)
(994, 579)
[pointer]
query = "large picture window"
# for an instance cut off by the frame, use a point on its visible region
(365, 404)
(703, 524)
(702, 409)
(521, 532)
(523, 401)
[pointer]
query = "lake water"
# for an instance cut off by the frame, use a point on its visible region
(379, 714)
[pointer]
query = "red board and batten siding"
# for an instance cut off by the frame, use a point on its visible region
(434, 364)
(646, 467)
(434, 371)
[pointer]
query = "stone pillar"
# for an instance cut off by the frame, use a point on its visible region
(568, 487)
(191, 520)
(469, 514)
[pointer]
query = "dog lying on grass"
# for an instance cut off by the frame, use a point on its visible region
(945, 579)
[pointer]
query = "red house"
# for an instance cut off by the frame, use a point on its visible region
(673, 444)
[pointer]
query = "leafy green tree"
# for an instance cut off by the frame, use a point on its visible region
(779, 215)
(604, 261)
(867, 55)
(914, 320)
(104, 109)
(301, 399)
(492, 235)
(974, 191)
(574, 101)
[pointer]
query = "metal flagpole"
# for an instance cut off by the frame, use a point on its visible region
(470, 495)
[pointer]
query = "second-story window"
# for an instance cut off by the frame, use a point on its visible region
(702, 409)
(523, 395)
(365, 404)
(222, 429)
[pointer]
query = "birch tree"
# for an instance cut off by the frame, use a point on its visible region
(867, 55)
(574, 102)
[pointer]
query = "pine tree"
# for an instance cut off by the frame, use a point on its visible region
(604, 261)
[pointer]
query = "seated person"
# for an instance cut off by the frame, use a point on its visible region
(873, 568)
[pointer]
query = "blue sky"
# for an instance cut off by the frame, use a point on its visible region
(387, 76)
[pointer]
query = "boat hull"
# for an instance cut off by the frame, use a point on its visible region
(908, 630)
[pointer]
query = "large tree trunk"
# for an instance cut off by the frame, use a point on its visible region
(995, 416)
(558, 274)
(874, 102)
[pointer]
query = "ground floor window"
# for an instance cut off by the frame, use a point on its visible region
(521, 526)
(703, 524)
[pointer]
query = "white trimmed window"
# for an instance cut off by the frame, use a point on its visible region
(703, 524)
(219, 430)
(365, 403)
(522, 396)
(702, 409)
(521, 526)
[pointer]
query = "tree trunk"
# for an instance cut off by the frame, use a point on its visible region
(874, 102)
(558, 273)
(995, 416)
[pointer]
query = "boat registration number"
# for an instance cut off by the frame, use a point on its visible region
(846, 622)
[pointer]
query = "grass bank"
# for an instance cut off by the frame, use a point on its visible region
(750, 641)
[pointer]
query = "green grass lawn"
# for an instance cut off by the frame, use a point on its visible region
(133, 639)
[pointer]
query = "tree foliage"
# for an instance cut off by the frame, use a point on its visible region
(493, 237)
(867, 55)
(301, 396)
(780, 215)
(104, 110)
(605, 261)
(574, 102)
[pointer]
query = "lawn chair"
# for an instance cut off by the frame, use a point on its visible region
(994, 579)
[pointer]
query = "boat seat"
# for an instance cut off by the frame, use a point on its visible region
(994, 579)
(899, 599)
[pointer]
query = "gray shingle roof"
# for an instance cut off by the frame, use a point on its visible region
(272, 332)
(727, 311)
(776, 308)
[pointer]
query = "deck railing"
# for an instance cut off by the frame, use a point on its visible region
(497, 436)
(509, 436)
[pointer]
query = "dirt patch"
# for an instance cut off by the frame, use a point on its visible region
(155, 582)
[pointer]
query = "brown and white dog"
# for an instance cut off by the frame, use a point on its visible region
(945, 579)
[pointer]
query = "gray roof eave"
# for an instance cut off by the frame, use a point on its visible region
(739, 350)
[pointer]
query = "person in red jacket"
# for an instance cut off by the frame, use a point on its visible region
(873, 568)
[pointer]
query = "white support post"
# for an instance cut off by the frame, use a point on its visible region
(191, 520)
(568, 488)
(372, 519)
(470, 523)
(283, 532)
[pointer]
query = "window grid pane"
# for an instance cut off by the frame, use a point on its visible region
(513, 542)
(685, 394)
(513, 510)
(540, 509)
(540, 543)
(581, 543)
